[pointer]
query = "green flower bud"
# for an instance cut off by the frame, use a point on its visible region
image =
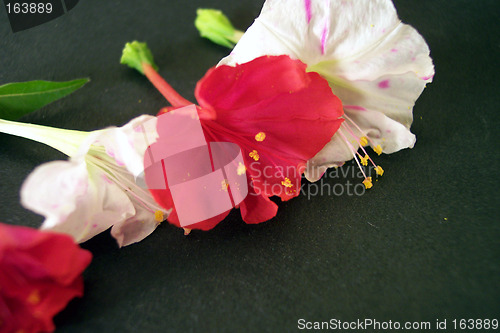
(135, 54)
(214, 25)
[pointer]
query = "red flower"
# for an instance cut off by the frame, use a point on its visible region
(40, 272)
(280, 116)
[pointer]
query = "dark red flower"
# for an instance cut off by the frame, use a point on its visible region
(279, 114)
(40, 272)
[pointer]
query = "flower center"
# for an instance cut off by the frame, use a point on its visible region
(118, 175)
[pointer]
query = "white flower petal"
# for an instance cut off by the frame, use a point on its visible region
(391, 135)
(134, 229)
(75, 198)
(53, 189)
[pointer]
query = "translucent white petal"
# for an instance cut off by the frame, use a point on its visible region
(75, 199)
(53, 189)
(391, 135)
(134, 229)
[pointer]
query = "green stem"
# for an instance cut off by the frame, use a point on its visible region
(66, 141)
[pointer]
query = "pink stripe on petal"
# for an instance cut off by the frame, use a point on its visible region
(323, 40)
(354, 107)
(326, 28)
(308, 10)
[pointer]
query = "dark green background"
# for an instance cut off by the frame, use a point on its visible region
(422, 245)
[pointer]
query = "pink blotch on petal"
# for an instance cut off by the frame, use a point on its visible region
(383, 84)
(425, 78)
(82, 184)
(111, 153)
(394, 50)
(106, 179)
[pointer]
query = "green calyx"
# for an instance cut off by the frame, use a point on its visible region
(135, 54)
(214, 25)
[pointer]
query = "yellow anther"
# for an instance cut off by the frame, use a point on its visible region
(261, 136)
(364, 160)
(286, 182)
(378, 149)
(241, 169)
(224, 184)
(255, 155)
(187, 231)
(34, 298)
(363, 141)
(159, 216)
(368, 182)
(379, 170)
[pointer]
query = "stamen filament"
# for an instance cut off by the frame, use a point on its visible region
(127, 185)
(349, 145)
(376, 148)
(367, 156)
(359, 129)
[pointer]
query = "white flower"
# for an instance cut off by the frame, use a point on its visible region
(375, 64)
(96, 188)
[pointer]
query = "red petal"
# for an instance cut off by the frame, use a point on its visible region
(40, 272)
(257, 208)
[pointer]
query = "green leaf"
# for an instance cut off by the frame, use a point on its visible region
(18, 99)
